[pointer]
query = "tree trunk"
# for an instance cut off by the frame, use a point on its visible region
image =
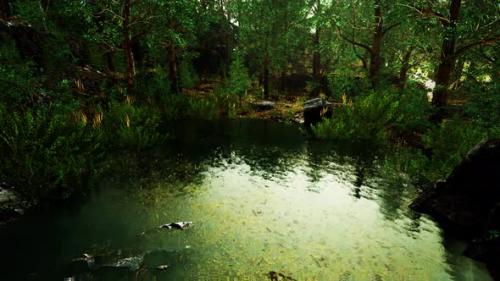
(109, 56)
(378, 36)
(447, 62)
(173, 71)
(405, 66)
(457, 73)
(265, 78)
(5, 9)
(316, 63)
(127, 47)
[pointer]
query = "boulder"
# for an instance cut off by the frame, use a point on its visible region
(466, 200)
(315, 110)
(468, 203)
(11, 206)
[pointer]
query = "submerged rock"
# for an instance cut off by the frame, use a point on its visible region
(317, 109)
(277, 276)
(177, 225)
(81, 265)
(468, 203)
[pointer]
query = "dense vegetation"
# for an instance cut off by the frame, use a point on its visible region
(82, 79)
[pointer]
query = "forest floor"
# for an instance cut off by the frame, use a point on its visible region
(282, 108)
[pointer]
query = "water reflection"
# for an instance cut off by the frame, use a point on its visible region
(263, 199)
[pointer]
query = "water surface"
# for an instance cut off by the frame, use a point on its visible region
(261, 198)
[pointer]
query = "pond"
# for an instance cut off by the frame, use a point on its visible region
(264, 201)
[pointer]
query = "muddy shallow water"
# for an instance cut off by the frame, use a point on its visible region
(261, 197)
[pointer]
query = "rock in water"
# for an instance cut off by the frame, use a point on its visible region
(315, 110)
(468, 203)
(177, 225)
(466, 199)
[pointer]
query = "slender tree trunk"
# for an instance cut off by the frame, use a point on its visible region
(447, 62)
(457, 73)
(127, 47)
(316, 63)
(173, 71)
(405, 66)
(378, 36)
(265, 78)
(5, 9)
(109, 57)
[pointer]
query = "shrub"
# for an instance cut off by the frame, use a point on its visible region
(373, 117)
(448, 144)
(484, 107)
(133, 127)
(239, 81)
(367, 118)
(181, 106)
(44, 153)
(413, 111)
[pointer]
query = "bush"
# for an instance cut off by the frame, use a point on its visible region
(239, 81)
(44, 153)
(413, 112)
(133, 127)
(374, 117)
(367, 118)
(448, 144)
(484, 107)
(176, 106)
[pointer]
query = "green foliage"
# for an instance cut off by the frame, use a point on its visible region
(226, 101)
(187, 75)
(44, 153)
(368, 118)
(344, 85)
(404, 164)
(133, 127)
(239, 81)
(184, 107)
(377, 116)
(413, 111)
(17, 78)
(484, 107)
(448, 144)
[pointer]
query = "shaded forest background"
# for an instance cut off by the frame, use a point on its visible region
(81, 78)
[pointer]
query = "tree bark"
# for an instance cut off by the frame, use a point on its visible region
(5, 9)
(265, 78)
(405, 66)
(127, 47)
(447, 61)
(173, 71)
(377, 39)
(316, 63)
(109, 56)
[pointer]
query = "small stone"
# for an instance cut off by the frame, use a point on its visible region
(264, 105)
(177, 225)
(162, 267)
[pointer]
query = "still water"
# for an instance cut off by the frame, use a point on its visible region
(262, 198)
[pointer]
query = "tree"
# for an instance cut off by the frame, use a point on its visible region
(382, 13)
(478, 27)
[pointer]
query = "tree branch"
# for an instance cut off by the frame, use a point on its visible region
(482, 42)
(364, 46)
(390, 27)
(428, 12)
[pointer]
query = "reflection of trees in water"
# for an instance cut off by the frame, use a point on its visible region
(272, 151)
